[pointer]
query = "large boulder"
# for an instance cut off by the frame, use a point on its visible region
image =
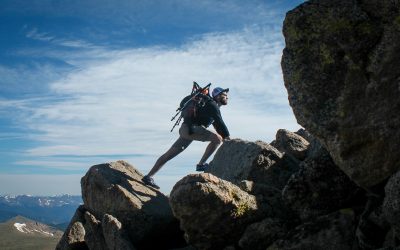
(318, 188)
(315, 148)
(74, 236)
(372, 230)
(114, 235)
(340, 69)
(85, 232)
(257, 168)
(269, 199)
(391, 203)
(213, 213)
(94, 234)
(238, 160)
(333, 231)
(259, 235)
(116, 189)
(291, 143)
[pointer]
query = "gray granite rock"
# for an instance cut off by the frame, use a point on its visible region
(341, 73)
(212, 212)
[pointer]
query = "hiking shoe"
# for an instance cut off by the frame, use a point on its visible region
(202, 167)
(148, 181)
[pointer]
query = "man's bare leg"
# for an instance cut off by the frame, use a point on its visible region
(216, 140)
(171, 153)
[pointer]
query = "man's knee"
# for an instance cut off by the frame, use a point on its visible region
(216, 139)
(172, 152)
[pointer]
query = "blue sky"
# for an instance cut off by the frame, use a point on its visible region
(87, 82)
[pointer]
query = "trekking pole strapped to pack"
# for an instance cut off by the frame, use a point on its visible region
(197, 91)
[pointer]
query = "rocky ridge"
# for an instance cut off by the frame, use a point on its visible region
(310, 202)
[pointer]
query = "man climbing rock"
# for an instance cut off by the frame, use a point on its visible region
(196, 128)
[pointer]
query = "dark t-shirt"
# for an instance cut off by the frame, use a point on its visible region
(211, 114)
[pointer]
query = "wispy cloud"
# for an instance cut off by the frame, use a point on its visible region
(123, 104)
(27, 80)
(41, 36)
(35, 34)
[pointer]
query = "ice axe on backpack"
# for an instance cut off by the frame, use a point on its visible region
(196, 91)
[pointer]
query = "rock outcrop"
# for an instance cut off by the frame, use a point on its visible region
(114, 235)
(260, 235)
(238, 160)
(333, 231)
(93, 233)
(291, 144)
(257, 168)
(312, 206)
(119, 210)
(341, 73)
(213, 212)
(74, 235)
(318, 188)
(391, 203)
(116, 189)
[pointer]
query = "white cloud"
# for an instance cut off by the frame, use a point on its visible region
(122, 101)
(124, 104)
(24, 86)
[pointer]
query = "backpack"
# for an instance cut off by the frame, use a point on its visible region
(191, 104)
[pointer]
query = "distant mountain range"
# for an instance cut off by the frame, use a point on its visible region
(52, 210)
(24, 234)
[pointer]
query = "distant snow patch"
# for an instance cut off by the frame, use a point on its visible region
(24, 229)
(20, 227)
(43, 232)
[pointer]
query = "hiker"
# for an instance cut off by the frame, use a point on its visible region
(196, 129)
